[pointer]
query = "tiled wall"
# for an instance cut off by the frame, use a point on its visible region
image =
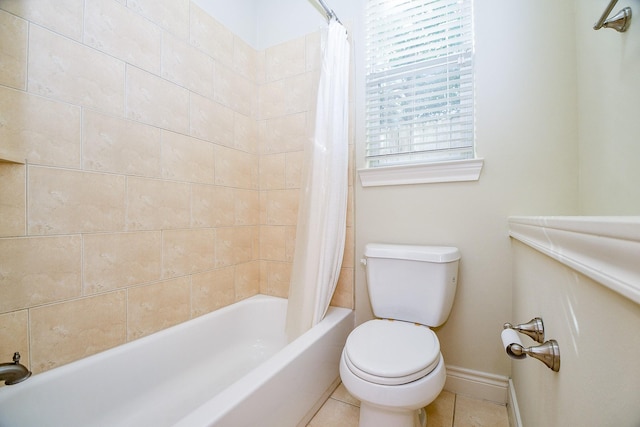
(163, 159)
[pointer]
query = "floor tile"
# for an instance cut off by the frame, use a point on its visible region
(471, 412)
(336, 414)
(440, 412)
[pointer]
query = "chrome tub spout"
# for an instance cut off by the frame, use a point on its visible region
(13, 373)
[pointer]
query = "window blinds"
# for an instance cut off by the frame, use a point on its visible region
(419, 84)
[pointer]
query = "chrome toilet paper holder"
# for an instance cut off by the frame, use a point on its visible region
(548, 352)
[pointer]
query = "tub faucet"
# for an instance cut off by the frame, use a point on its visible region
(13, 373)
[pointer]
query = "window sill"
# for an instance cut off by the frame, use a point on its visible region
(427, 173)
(603, 248)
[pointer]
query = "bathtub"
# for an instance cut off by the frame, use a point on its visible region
(229, 368)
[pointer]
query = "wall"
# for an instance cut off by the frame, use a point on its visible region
(525, 131)
(597, 331)
(162, 167)
(609, 83)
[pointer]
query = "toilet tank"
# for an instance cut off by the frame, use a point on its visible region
(412, 283)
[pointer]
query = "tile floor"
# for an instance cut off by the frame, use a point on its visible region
(448, 410)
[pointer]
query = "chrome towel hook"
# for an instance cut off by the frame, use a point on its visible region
(619, 22)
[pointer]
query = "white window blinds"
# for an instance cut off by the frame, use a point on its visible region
(419, 84)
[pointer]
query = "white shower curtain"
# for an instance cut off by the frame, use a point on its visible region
(320, 232)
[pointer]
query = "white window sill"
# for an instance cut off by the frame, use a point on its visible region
(452, 171)
(603, 248)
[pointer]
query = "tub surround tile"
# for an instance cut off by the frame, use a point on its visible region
(61, 16)
(236, 168)
(172, 15)
(188, 251)
(294, 166)
(247, 207)
(212, 206)
(38, 270)
(156, 205)
(187, 66)
(64, 201)
(273, 243)
(13, 56)
(12, 200)
(212, 290)
(282, 207)
(283, 134)
(208, 35)
(187, 159)
(247, 280)
(343, 295)
(285, 60)
(245, 133)
(155, 307)
(65, 332)
(234, 245)
(116, 145)
(14, 336)
(156, 101)
(112, 261)
(245, 59)
(313, 53)
(272, 172)
(278, 276)
(234, 91)
(211, 121)
(69, 71)
(114, 29)
(40, 130)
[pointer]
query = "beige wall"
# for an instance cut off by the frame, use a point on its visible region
(525, 131)
(161, 177)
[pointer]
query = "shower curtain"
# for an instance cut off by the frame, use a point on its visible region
(320, 232)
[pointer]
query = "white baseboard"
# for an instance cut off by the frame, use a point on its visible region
(512, 407)
(479, 385)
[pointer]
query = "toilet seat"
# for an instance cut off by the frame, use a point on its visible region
(391, 352)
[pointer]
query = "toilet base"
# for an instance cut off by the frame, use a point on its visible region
(375, 416)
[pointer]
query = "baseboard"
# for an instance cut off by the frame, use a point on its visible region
(479, 385)
(512, 407)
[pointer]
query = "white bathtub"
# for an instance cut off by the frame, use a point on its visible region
(230, 368)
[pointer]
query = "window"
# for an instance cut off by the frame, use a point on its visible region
(419, 83)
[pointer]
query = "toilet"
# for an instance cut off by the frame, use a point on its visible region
(392, 364)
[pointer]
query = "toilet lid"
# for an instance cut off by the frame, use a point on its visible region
(392, 352)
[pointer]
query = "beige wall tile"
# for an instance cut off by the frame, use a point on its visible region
(13, 55)
(313, 52)
(211, 121)
(38, 270)
(118, 31)
(272, 172)
(153, 204)
(294, 169)
(247, 207)
(301, 93)
(172, 15)
(212, 206)
(112, 144)
(155, 307)
(212, 290)
(234, 245)
(68, 71)
(65, 332)
(153, 100)
(284, 134)
(271, 99)
(234, 91)
(247, 282)
(13, 211)
(245, 133)
(282, 207)
(61, 16)
(210, 36)
(186, 65)
(187, 159)
(278, 277)
(343, 295)
(14, 336)
(285, 60)
(64, 201)
(273, 243)
(188, 251)
(236, 168)
(290, 242)
(348, 259)
(245, 59)
(112, 261)
(38, 129)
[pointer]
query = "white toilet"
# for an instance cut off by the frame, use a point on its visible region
(392, 364)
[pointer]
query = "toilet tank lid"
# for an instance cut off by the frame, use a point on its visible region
(439, 254)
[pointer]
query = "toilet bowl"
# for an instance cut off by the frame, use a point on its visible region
(395, 369)
(393, 364)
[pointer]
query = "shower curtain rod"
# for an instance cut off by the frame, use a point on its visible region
(330, 13)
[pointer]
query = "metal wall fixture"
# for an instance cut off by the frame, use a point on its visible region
(548, 352)
(619, 22)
